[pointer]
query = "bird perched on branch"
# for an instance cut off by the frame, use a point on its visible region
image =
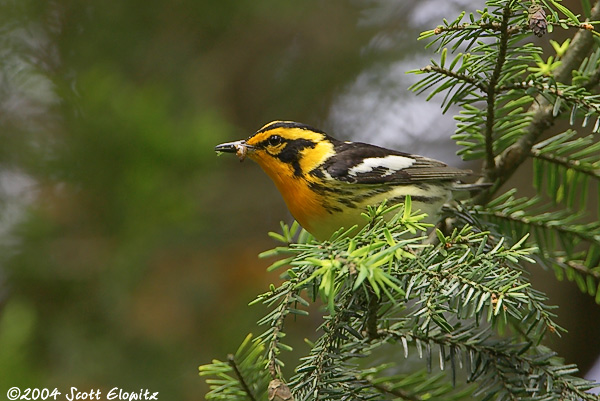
(327, 184)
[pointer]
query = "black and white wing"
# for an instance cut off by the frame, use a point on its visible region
(361, 163)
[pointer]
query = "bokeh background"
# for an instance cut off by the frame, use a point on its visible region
(129, 250)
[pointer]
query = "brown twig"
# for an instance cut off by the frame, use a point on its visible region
(373, 308)
(492, 26)
(274, 369)
(233, 364)
(396, 392)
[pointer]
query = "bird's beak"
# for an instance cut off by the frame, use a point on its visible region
(240, 148)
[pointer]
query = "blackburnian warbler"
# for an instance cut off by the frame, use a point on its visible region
(327, 183)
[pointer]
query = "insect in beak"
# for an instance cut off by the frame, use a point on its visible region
(240, 148)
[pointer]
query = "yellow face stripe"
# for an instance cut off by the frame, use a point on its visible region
(312, 158)
(300, 145)
(287, 130)
(289, 163)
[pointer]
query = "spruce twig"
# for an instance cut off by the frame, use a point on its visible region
(240, 377)
(542, 111)
(490, 165)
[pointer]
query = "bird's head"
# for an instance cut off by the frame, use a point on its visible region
(283, 148)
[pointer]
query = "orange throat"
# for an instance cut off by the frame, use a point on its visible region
(303, 203)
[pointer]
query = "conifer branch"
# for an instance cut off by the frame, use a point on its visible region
(490, 165)
(386, 289)
(322, 358)
(277, 329)
(541, 223)
(497, 27)
(542, 114)
(502, 356)
(396, 392)
(575, 165)
(560, 91)
(493, 26)
(372, 317)
(458, 76)
(584, 26)
(576, 266)
(240, 377)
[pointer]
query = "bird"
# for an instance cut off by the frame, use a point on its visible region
(328, 183)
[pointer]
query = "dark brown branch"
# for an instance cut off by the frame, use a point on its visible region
(372, 317)
(233, 364)
(396, 392)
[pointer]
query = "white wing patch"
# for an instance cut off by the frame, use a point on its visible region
(391, 163)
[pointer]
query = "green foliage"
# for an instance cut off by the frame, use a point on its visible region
(384, 289)
(461, 297)
(565, 242)
(114, 212)
(567, 165)
(522, 92)
(248, 363)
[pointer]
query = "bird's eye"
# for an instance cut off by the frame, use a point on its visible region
(275, 140)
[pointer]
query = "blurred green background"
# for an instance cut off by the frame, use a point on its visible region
(128, 248)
